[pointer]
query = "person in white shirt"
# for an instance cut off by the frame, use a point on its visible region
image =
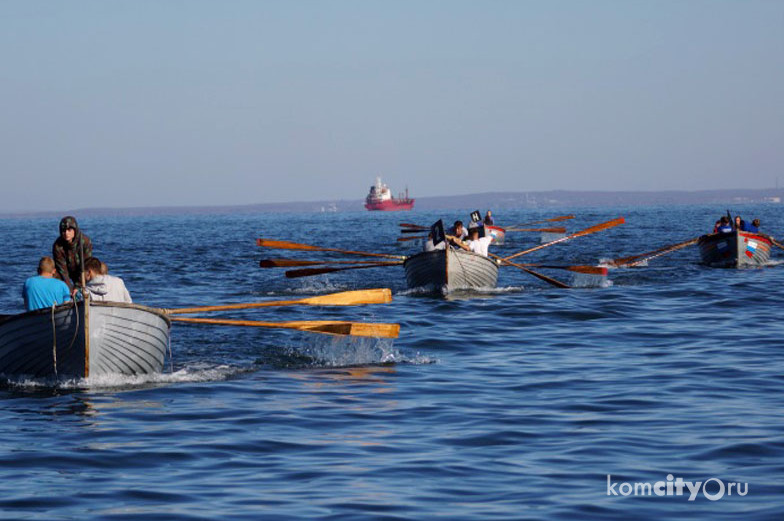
(429, 246)
(478, 244)
(458, 230)
(103, 287)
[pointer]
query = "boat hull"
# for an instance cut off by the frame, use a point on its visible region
(734, 250)
(390, 205)
(111, 338)
(496, 232)
(449, 270)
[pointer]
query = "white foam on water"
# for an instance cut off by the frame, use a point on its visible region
(187, 374)
(337, 351)
(585, 280)
(311, 286)
(467, 292)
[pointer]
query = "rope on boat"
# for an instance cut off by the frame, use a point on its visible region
(54, 341)
(171, 357)
(76, 329)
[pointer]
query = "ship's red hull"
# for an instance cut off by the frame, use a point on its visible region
(390, 205)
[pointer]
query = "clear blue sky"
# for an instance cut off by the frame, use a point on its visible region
(137, 103)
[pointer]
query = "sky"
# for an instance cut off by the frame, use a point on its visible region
(173, 103)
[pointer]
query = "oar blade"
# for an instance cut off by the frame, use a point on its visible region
(363, 329)
(352, 298)
(589, 270)
(285, 245)
(287, 263)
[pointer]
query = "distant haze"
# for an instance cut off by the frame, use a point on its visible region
(166, 103)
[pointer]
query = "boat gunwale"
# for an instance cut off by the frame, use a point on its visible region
(716, 236)
(4, 319)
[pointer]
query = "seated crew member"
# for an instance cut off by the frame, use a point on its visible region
(45, 289)
(458, 230)
(716, 226)
(740, 224)
(489, 218)
(104, 287)
(67, 252)
(478, 244)
(754, 226)
(724, 225)
(429, 246)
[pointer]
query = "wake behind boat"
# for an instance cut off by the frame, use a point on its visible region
(84, 339)
(735, 249)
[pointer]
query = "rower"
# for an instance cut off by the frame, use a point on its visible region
(724, 225)
(458, 230)
(45, 290)
(478, 244)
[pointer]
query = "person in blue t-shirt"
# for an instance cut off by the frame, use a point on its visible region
(754, 226)
(724, 226)
(45, 289)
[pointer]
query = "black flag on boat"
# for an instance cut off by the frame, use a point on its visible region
(437, 232)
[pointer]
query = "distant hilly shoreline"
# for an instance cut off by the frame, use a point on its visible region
(492, 200)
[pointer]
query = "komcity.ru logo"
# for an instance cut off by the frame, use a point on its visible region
(713, 488)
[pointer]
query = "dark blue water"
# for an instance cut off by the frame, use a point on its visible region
(511, 404)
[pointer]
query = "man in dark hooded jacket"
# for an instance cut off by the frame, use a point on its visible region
(68, 250)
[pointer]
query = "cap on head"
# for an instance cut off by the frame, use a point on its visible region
(68, 222)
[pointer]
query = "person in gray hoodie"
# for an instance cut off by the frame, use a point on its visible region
(104, 287)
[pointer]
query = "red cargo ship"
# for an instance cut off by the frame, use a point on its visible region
(380, 198)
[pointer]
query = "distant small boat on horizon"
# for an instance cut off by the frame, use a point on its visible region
(380, 198)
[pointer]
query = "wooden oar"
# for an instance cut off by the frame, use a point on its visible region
(409, 225)
(415, 230)
(375, 330)
(543, 230)
(404, 239)
(593, 229)
(343, 298)
(309, 272)
(556, 283)
(287, 245)
(633, 260)
(292, 263)
(578, 268)
(776, 243)
(554, 219)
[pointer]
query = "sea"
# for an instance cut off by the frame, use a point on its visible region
(614, 399)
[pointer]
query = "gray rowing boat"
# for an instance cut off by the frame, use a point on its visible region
(84, 340)
(450, 269)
